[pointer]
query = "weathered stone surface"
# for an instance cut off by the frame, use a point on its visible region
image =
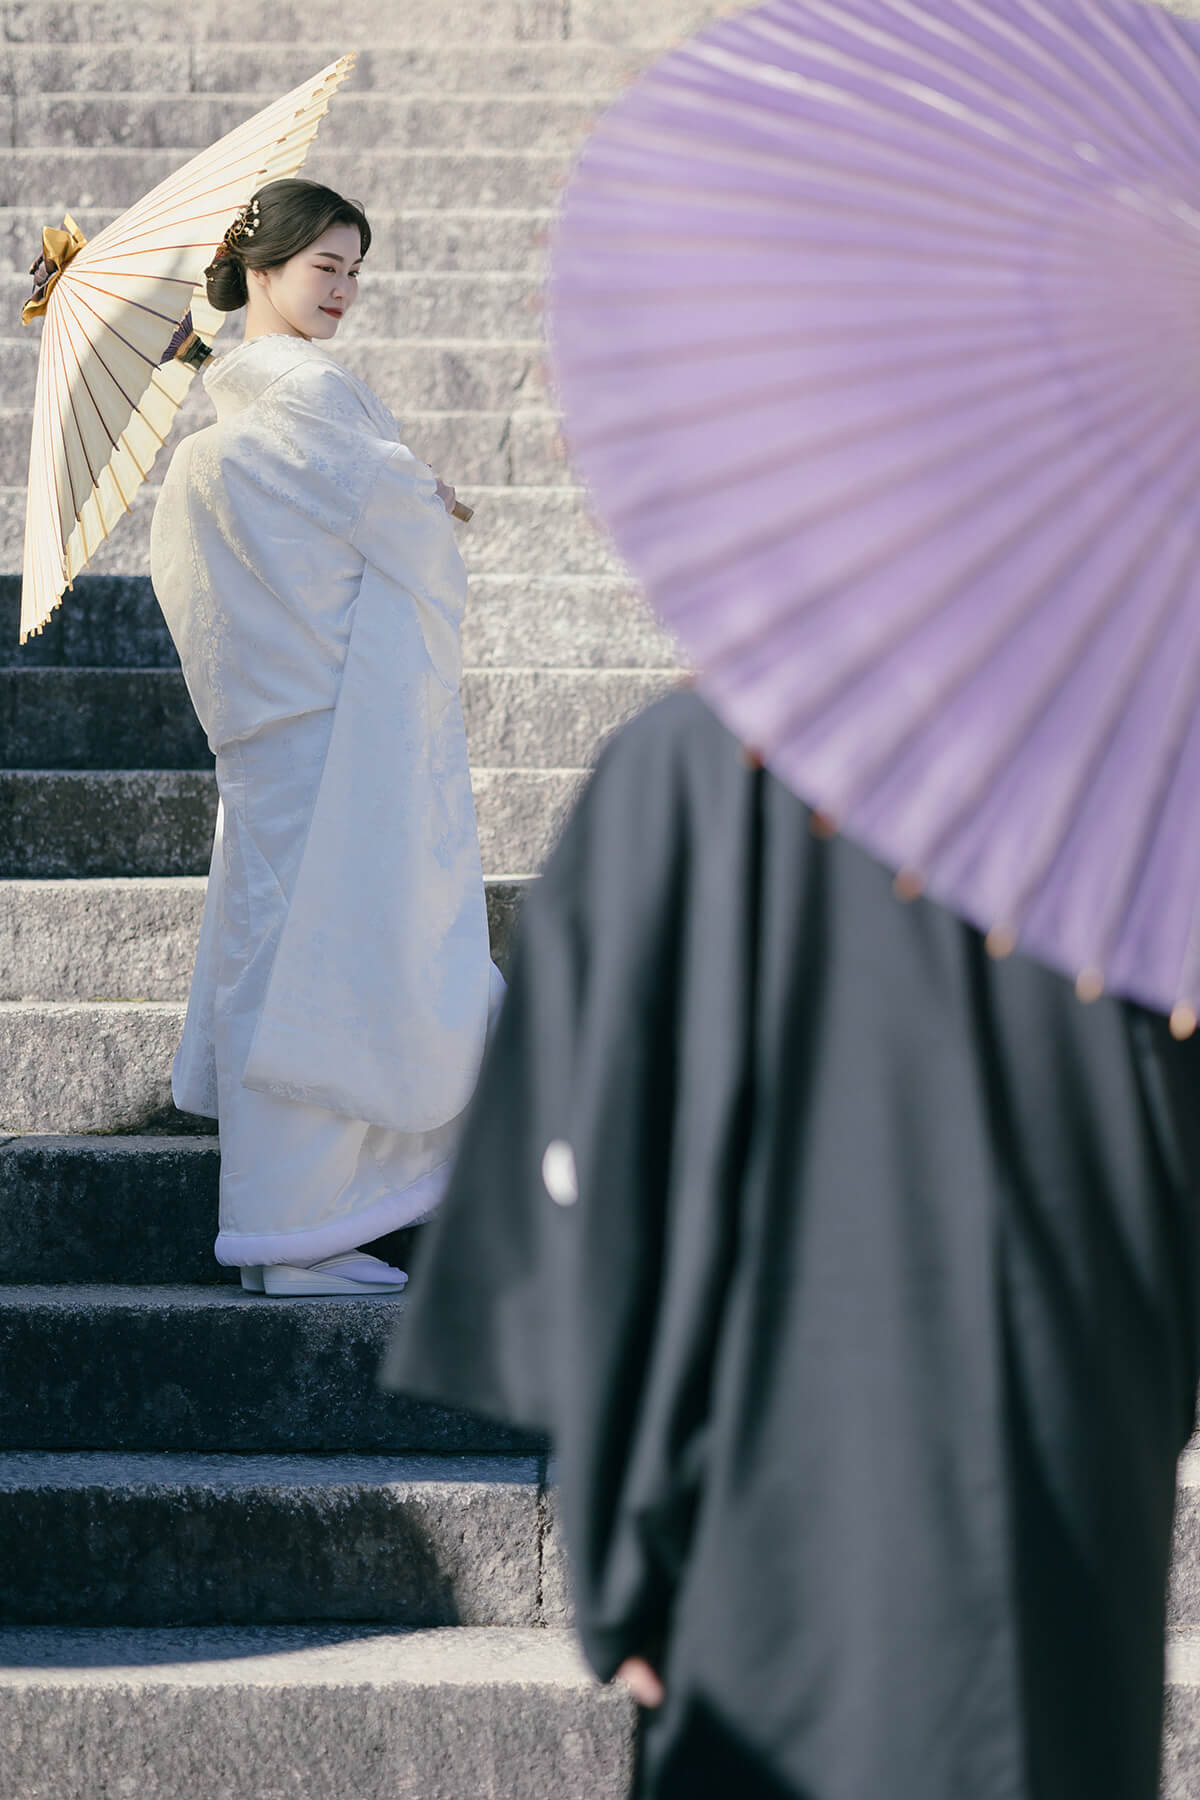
(538, 455)
(389, 178)
(1183, 1604)
(520, 448)
(535, 531)
(213, 1369)
(310, 1714)
(531, 67)
(104, 1065)
(484, 307)
(93, 1538)
(142, 719)
(107, 621)
(1181, 1739)
(434, 22)
(556, 1582)
(113, 1209)
(504, 901)
(513, 621)
(359, 120)
(630, 22)
(74, 1067)
(526, 718)
(516, 531)
(501, 239)
(563, 622)
(98, 719)
(521, 812)
(85, 824)
(131, 1210)
(99, 940)
(105, 68)
(410, 378)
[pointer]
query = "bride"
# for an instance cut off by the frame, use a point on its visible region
(307, 569)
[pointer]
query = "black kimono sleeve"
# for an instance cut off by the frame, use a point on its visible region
(575, 1276)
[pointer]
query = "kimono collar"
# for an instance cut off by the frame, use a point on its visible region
(235, 380)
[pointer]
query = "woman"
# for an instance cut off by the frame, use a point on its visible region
(307, 569)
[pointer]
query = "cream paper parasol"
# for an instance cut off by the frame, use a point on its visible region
(114, 308)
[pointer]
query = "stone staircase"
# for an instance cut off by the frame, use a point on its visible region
(232, 1566)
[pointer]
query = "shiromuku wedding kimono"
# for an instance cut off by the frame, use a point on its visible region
(309, 576)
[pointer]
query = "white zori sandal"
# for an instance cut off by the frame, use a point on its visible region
(352, 1274)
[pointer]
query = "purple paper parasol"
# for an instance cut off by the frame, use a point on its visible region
(877, 331)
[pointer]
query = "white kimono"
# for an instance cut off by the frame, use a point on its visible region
(311, 582)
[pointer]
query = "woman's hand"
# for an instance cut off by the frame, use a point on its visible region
(446, 495)
(642, 1682)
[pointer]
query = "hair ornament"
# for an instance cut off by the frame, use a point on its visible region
(245, 225)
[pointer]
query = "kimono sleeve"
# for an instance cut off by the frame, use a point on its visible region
(576, 1275)
(359, 481)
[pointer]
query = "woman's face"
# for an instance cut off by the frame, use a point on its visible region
(312, 292)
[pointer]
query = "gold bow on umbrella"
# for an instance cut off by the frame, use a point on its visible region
(58, 249)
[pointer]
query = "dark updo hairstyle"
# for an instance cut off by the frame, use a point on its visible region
(292, 214)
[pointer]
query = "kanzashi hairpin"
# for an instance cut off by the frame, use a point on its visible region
(245, 225)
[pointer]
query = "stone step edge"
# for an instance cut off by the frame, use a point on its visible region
(552, 158)
(253, 98)
(488, 769)
(10, 414)
(10, 213)
(547, 46)
(380, 278)
(499, 670)
(151, 1472)
(383, 344)
(289, 1656)
(152, 1144)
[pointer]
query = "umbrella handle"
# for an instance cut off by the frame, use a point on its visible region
(463, 512)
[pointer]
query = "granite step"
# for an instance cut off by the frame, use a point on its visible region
(82, 1066)
(1181, 1738)
(360, 120)
(310, 1713)
(264, 70)
(104, 1538)
(51, 179)
(349, 22)
(132, 937)
(495, 240)
(99, 719)
(112, 719)
(136, 1211)
(216, 1370)
(84, 824)
(487, 307)
(512, 621)
(409, 376)
(1183, 1601)
(131, 1211)
(516, 531)
(93, 983)
(520, 447)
